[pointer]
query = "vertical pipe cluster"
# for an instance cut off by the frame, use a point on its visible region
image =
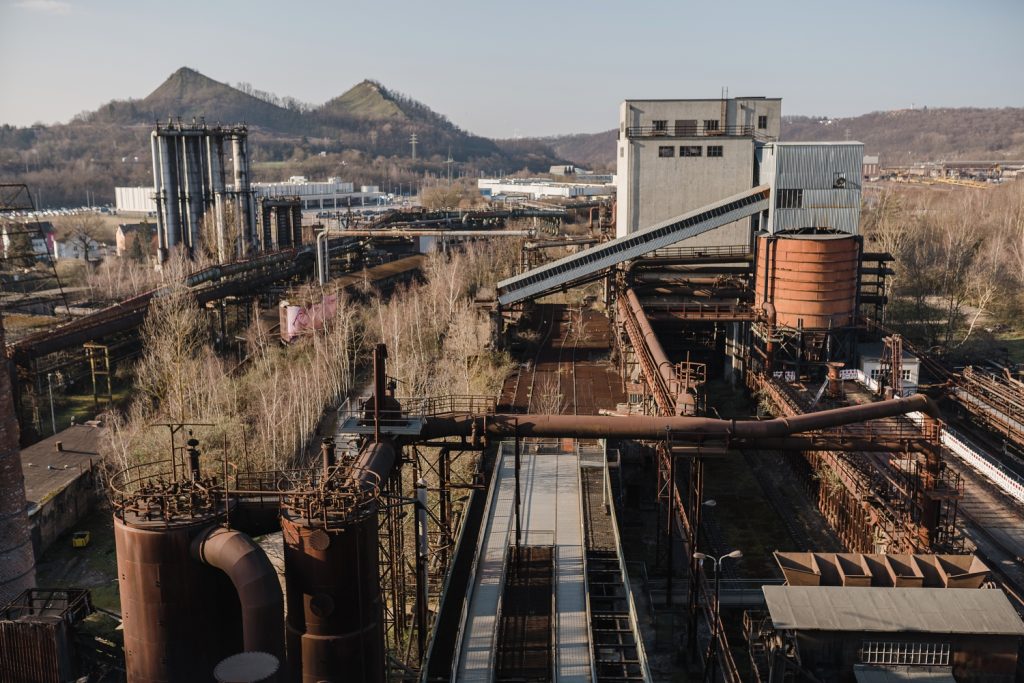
(243, 195)
(17, 560)
(189, 180)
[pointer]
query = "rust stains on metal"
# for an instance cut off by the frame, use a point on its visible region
(811, 281)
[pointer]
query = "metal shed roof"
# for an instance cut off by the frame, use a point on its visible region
(892, 610)
(902, 674)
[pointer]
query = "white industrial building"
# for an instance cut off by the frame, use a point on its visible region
(676, 156)
(332, 193)
(134, 200)
(537, 188)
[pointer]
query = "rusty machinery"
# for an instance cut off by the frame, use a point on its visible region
(196, 589)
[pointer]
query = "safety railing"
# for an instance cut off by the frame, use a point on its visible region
(165, 492)
(484, 530)
(730, 250)
(1007, 481)
(634, 621)
(688, 130)
(419, 407)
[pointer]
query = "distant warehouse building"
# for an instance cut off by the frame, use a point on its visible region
(538, 188)
(329, 194)
(134, 200)
(333, 193)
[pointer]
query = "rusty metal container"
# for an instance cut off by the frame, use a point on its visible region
(811, 280)
(181, 617)
(335, 621)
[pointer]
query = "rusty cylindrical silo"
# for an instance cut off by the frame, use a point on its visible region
(335, 627)
(810, 280)
(17, 560)
(180, 617)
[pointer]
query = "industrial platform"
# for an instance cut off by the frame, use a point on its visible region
(551, 516)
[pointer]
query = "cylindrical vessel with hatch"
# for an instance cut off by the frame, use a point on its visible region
(811, 280)
(180, 617)
(335, 630)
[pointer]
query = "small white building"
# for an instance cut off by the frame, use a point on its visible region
(75, 249)
(871, 365)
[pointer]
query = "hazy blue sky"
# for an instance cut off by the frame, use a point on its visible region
(520, 67)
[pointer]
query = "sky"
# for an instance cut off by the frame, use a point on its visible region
(521, 68)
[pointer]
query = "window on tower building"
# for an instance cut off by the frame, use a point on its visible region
(693, 151)
(789, 199)
(762, 121)
(666, 151)
(714, 150)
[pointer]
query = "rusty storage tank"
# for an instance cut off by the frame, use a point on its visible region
(335, 627)
(810, 280)
(180, 616)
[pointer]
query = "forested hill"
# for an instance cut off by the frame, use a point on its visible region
(362, 134)
(898, 137)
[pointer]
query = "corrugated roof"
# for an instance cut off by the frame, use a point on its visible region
(901, 674)
(892, 610)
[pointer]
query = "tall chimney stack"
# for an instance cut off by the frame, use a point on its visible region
(17, 560)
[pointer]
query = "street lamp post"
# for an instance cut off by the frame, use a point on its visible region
(49, 388)
(712, 670)
(691, 629)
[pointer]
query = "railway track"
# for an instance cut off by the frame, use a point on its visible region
(568, 372)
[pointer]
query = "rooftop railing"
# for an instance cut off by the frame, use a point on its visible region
(696, 130)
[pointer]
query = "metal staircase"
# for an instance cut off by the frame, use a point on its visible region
(591, 263)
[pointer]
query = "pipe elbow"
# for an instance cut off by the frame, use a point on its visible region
(926, 405)
(254, 578)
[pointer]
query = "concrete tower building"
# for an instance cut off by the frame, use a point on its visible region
(675, 156)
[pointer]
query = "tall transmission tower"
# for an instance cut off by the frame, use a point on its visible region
(413, 139)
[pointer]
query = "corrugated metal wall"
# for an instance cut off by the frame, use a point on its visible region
(829, 175)
(34, 652)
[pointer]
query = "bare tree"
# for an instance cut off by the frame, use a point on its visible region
(84, 230)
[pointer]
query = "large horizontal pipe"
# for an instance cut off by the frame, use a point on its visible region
(252, 575)
(646, 427)
(675, 278)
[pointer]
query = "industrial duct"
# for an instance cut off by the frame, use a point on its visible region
(646, 427)
(252, 575)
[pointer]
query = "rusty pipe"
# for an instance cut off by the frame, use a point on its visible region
(665, 367)
(374, 464)
(252, 575)
(682, 428)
